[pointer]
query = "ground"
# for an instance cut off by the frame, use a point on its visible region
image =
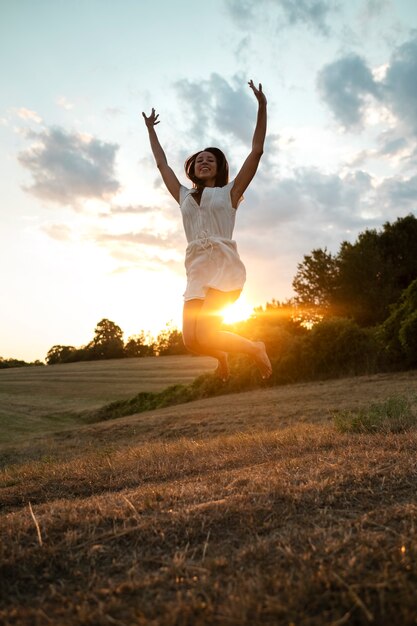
(241, 509)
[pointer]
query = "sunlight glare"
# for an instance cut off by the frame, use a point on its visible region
(237, 312)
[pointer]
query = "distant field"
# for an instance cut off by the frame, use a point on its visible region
(34, 399)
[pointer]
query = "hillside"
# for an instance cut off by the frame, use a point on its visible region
(44, 399)
(241, 509)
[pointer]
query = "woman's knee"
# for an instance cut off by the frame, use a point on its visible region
(189, 340)
(190, 315)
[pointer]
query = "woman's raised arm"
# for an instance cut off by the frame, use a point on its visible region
(168, 176)
(249, 167)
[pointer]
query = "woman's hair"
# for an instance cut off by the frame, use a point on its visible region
(222, 176)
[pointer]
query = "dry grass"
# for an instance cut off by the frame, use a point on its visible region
(247, 509)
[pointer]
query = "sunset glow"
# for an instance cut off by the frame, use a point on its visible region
(237, 312)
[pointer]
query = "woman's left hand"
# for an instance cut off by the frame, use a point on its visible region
(259, 94)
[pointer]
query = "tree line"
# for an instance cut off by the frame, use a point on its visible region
(371, 283)
(108, 343)
(7, 363)
(354, 312)
(364, 279)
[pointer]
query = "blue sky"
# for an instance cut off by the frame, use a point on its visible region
(87, 230)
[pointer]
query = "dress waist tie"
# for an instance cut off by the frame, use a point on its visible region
(206, 241)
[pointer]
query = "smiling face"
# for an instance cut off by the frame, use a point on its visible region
(208, 168)
(205, 168)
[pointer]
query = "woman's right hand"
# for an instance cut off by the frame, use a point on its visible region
(152, 120)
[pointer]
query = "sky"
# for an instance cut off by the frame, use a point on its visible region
(87, 230)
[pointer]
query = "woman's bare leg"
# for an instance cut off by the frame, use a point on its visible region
(211, 338)
(191, 312)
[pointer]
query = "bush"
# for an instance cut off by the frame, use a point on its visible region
(339, 347)
(395, 415)
(399, 331)
(408, 338)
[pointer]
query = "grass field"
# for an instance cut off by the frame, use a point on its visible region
(41, 399)
(241, 509)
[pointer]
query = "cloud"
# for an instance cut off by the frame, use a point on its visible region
(399, 193)
(59, 232)
(313, 198)
(136, 261)
(69, 167)
(114, 112)
(312, 14)
(390, 147)
(348, 86)
(145, 249)
(295, 214)
(391, 144)
(344, 85)
(130, 209)
(28, 114)
(291, 216)
(288, 217)
(400, 84)
(64, 103)
(218, 108)
(332, 194)
(373, 9)
(144, 238)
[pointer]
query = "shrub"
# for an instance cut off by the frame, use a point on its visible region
(339, 347)
(399, 331)
(408, 337)
(395, 415)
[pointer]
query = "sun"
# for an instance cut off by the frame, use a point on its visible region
(237, 312)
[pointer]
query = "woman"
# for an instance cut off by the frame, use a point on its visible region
(215, 273)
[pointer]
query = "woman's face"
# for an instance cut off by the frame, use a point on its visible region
(205, 168)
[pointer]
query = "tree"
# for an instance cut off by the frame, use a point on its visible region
(376, 269)
(108, 341)
(139, 346)
(315, 282)
(360, 292)
(9, 363)
(365, 278)
(399, 249)
(60, 354)
(169, 342)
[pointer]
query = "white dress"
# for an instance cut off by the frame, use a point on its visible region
(211, 259)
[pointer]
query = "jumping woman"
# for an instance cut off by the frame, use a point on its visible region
(215, 273)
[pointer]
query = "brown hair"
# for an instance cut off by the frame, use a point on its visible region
(222, 176)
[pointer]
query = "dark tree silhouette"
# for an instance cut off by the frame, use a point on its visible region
(139, 346)
(107, 342)
(169, 342)
(60, 354)
(365, 278)
(315, 282)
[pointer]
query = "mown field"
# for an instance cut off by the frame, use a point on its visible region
(40, 399)
(241, 509)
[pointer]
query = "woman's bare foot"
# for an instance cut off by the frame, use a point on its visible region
(261, 359)
(222, 370)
